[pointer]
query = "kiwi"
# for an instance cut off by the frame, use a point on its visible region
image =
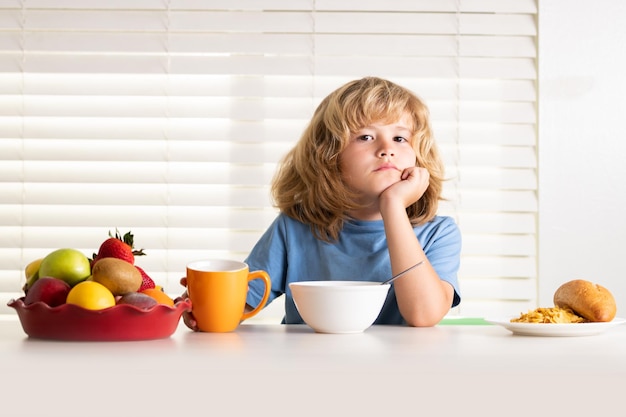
(119, 276)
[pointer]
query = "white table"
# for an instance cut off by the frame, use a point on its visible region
(292, 371)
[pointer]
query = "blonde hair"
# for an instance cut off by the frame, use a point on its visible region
(308, 185)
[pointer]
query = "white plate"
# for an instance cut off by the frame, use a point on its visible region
(556, 329)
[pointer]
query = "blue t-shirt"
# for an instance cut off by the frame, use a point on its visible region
(289, 252)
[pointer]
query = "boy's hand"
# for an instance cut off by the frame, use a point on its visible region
(188, 318)
(411, 187)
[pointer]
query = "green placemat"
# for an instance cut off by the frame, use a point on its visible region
(464, 321)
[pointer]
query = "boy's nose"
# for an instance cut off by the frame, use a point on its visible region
(385, 151)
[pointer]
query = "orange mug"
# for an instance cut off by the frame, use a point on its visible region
(218, 289)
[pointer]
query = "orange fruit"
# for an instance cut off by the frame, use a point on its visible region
(159, 295)
(91, 295)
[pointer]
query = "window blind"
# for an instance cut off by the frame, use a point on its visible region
(167, 119)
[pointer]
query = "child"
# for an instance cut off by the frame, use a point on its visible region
(358, 197)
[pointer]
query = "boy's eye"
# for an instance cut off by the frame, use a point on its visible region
(366, 138)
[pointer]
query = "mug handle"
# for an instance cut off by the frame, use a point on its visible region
(266, 294)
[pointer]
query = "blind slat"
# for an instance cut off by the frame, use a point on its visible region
(183, 217)
(509, 289)
(503, 245)
(499, 267)
(233, 108)
(498, 223)
(101, 195)
(149, 129)
(500, 6)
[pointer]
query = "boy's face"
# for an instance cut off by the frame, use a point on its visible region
(375, 157)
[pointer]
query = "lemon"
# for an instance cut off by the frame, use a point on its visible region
(91, 295)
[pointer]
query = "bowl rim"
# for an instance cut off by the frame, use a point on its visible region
(339, 284)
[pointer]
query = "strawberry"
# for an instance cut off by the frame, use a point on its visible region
(147, 282)
(117, 247)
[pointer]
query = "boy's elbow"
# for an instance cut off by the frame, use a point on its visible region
(423, 321)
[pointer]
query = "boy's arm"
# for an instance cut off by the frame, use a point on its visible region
(423, 298)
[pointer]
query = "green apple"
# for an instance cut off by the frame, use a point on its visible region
(69, 265)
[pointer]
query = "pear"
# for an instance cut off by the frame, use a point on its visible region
(32, 274)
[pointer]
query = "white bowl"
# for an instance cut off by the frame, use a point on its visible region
(339, 306)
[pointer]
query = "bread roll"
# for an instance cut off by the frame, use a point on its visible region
(588, 300)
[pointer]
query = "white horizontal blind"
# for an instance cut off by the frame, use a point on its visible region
(167, 118)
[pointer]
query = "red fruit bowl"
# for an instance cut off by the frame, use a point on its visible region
(122, 322)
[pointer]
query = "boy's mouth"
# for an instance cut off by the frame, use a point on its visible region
(386, 166)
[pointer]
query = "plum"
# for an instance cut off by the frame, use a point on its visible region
(137, 299)
(49, 290)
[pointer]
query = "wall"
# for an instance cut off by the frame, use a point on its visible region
(582, 145)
